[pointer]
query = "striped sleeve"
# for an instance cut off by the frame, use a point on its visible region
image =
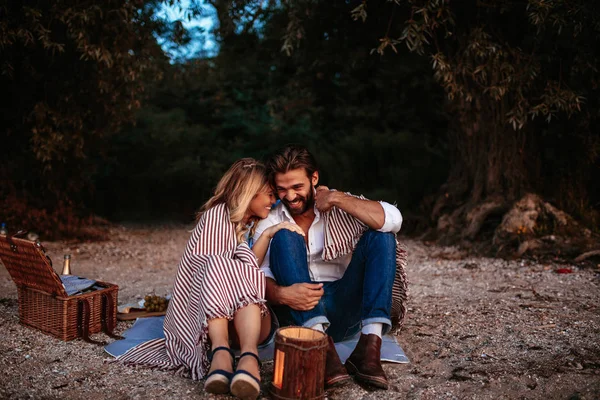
(342, 233)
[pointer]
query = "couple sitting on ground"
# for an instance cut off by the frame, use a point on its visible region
(322, 259)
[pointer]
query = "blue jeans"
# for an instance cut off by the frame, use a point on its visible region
(362, 295)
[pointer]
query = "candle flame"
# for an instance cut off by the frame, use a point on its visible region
(279, 363)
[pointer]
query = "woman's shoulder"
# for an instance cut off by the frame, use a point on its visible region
(218, 211)
(213, 225)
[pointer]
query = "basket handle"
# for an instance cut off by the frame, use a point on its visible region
(20, 234)
(83, 321)
(107, 317)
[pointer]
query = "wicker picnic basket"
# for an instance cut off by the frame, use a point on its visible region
(43, 301)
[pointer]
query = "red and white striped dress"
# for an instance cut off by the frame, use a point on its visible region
(215, 278)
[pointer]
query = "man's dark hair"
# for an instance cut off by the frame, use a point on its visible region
(289, 158)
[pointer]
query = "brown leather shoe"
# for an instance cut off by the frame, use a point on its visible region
(365, 362)
(335, 373)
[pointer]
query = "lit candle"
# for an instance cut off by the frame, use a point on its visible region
(279, 363)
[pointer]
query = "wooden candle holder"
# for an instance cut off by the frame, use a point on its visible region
(299, 371)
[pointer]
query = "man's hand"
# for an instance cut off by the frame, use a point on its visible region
(324, 198)
(302, 296)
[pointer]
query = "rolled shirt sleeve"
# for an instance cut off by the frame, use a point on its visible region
(393, 218)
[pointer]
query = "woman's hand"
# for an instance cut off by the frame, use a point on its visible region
(262, 244)
(270, 232)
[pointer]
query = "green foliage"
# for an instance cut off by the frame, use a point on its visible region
(373, 123)
(73, 72)
(522, 81)
(379, 124)
(532, 54)
(101, 119)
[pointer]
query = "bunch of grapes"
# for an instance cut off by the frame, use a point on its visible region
(155, 303)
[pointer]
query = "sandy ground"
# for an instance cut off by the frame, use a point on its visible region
(478, 328)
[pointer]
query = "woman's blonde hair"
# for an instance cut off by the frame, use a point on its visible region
(238, 186)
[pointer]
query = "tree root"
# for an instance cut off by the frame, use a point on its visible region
(537, 227)
(530, 226)
(480, 213)
(586, 255)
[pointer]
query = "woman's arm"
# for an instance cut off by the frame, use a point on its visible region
(262, 243)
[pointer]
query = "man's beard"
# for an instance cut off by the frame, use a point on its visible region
(308, 202)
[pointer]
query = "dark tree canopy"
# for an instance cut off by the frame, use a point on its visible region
(369, 120)
(496, 99)
(73, 74)
(521, 80)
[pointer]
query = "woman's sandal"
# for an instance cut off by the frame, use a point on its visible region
(244, 385)
(217, 382)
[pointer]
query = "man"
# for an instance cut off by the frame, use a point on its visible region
(338, 277)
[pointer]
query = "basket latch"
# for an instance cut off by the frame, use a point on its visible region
(13, 246)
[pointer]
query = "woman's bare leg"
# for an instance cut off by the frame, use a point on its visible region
(248, 326)
(219, 336)
(265, 329)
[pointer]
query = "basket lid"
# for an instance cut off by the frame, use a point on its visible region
(29, 266)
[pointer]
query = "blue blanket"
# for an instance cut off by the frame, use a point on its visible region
(75, 284)
(145, 329)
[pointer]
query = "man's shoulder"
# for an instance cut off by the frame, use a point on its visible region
(359, 196)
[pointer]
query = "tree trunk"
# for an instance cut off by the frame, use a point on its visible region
(488, 171)
(226, 28)
(486, 199)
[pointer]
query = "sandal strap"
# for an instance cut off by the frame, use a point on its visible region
(211, 353)
(226, 374)
(242, 371)
(249, 353)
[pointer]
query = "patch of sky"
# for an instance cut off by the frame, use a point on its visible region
(250, 19)
(200, 20)
(201, 41)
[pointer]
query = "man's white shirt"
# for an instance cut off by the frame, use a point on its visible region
(320, 271)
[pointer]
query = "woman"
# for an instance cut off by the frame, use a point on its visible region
(218, 281)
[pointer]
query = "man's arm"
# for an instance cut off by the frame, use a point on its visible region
(368, 212)
(299, 296)
(376, 215)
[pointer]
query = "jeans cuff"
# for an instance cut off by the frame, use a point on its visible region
(387, 323)
(321, 319)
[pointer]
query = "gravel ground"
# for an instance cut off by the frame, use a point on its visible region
(478, 328)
